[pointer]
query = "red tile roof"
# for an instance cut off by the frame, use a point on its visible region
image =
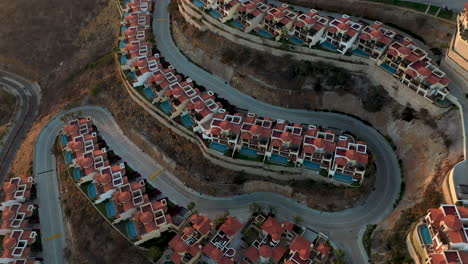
(453, 222)
(324, 249)
(299, 24)
(332, 29)
(265, 251)
(424, 71)
(176, 258)
(278, 252)
(343, 26)
(252, 254)
(365, 36)
(302, 246)
(231, 226)
(177, 244)
(433, 79)
(288, 225)
(437, 258)
(411, 73)
(273, 227)
(213, 252)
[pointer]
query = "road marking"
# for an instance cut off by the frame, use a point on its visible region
(44, 172)
(157, 173)
(53, 237)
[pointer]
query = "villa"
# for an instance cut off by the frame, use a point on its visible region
(17, 247)
(137, 49)
(277, 22)
(151, 220)
(309, 28)
(15, 216)
(373, 41)
(224, 10)
(318, 149)
(350, 160)
(138, 20)
(255, 135)
(144, 67)
(200, 110)
(249, 15)
(341, 34)
(218, 249)
(17, 190)
(286, 142)
(177, 97)
(224, 133)
(140, 6)
(448, 257)
(127, 198)
(413, 67)
(159, 82)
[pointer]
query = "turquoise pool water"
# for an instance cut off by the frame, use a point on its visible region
(122, 30)
(275, 158)
(123, 60)
(388, 68)
(131, 229)
(68, 157)
(343, 178)
(64, 140)
(215, 13)
(122, 44)
(166, 107)
(77, 174)
(187, 121)
(425, 234)
(237, 24)
(295, 40)
(149, 93)
(361, 53)
(264, 33)
(218, 146)
(110, 209)
(92, 193)
(311, 165)
(328, 45)
(126, 14)
(199, 3)
(248, 152)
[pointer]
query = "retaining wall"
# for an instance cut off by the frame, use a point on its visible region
(400, 92)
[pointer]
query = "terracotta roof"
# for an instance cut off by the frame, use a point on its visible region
(404, 50)
(215, 131)
(341, 161)
(432, 79)
(268, 17)
(104, 178)
(278, 252)
(356, 156)
(302, 246)
(177, 244)
(242, 8)
(251, 6)
(424, 71)
(225, 125)
(392, 52)
(9, 187)
(279, 14)
(201, 223)
(125, 197)
(310, 20)
(288, 225)
(176, 258)
(231, 226)
(412, 58)
(265, 251)
(437, 258)
(273, 227)
(364, 36)
(276, 142)
(309, 149)
(256, 130)
(146, 217)
(453, 222)
(444, 81)
(376, 34)
(213, 252)
(299, 24)
(324, 249)
(343, 26)
(411, 73)
(252, 254)
(246, 135)
(199, 105)
(9, 242)
(177, 91)
(332, 29)
(8, 214)
(286, 137)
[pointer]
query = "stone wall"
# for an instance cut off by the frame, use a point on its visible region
(401, 93)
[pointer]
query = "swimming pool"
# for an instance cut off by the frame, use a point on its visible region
(215, 13)
(275, 158)
(361, 53)
(68, 157)
(132, 76)
(248, 152)
(64, 140)
(237, 24)
(166, 107)
(187, 121)
(311, 165)
(199, 3)
(123, 60)
(425, 234)
(343, 178)
(77, 174)
(295, 40)
(218, 146)
(110, 209)
(131, 229)
(328, 45)
(149, 93)
(264, 33)
(122, 44)
(122, 30)
(388, 68)
(92, 193)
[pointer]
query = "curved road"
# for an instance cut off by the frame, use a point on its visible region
(345, 226)
(27, 95)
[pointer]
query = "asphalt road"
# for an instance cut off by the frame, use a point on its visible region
(345, 227)
(456, 5)
(28, 97)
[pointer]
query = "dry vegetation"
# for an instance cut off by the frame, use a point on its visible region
(7, 108)
(428, 146)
